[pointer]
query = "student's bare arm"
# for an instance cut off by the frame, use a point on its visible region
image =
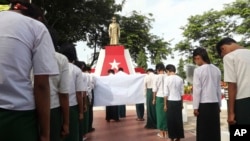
(232, 91)
(42, 102)
(64, 102)
(80, 104)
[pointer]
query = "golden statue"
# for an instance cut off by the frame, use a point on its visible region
(114, 32)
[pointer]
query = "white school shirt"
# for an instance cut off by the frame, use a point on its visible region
(237, 70)
(92, 82)
(173, 87)
(206, 85)
(148, 81)
(75, 83)
(86, 81)
(158, 84)
(91, 86)
(24, 43)
(59, 83)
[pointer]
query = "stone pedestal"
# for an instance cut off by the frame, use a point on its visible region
(114, 57)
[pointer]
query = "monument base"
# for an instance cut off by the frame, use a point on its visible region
(114, 57)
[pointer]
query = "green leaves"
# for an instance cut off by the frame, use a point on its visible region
(4, 2)
(143, 46)
(207, 29)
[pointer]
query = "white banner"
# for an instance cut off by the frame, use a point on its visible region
(119, 90)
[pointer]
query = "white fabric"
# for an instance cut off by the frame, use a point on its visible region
(121, 73)
(148, 81)
(75, 83)
(237, 70)
(24, 43)
(59, 83)
(158, 84)
(119, 90)
(173, 87)
(206, 85)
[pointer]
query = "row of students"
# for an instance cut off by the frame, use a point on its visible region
(56, 96)
(206, 93)
(167, 89)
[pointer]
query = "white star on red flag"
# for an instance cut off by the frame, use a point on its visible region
(114, 64)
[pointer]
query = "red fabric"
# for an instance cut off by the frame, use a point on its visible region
(187, 97)
(93, 70)
(139, 70)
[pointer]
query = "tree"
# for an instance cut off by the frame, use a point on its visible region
(207, 29)
(88, 20)
(141, 61)
(158, 49)
(239, 12)
(136, 36)
(4, 2)
(81, 20)
(75, 20)
(135, 33)
(180, 69)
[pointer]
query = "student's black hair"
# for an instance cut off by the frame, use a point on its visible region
(120, 69)
(150, 70)
(224, 41)
(68, 49)
(170, 68)
(23, 6)
(87, 68)
(111, 71)
(202, 53)
(80, 64)
(160, 67)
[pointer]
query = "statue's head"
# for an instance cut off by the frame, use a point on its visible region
(113, 19)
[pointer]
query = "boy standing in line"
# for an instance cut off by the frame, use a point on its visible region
(236, 63)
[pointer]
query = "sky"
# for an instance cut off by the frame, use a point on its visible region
(169, 16)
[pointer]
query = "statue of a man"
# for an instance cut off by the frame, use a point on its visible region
(114, 32)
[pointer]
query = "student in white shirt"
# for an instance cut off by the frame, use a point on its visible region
(59, 87)
(86, 81)
(173, 91)
(24, 44)
(151, 111)
(206, 97)
(59, 100)
(90, 94)
(76, 89)
(236, 62)
(158, 100)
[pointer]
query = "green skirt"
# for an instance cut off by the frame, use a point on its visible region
(18, 125)
(73, 124)
(84, 126)
(55, 124)
(151, 111)
(161, 115)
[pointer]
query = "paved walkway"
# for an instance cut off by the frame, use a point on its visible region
(129, 129)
